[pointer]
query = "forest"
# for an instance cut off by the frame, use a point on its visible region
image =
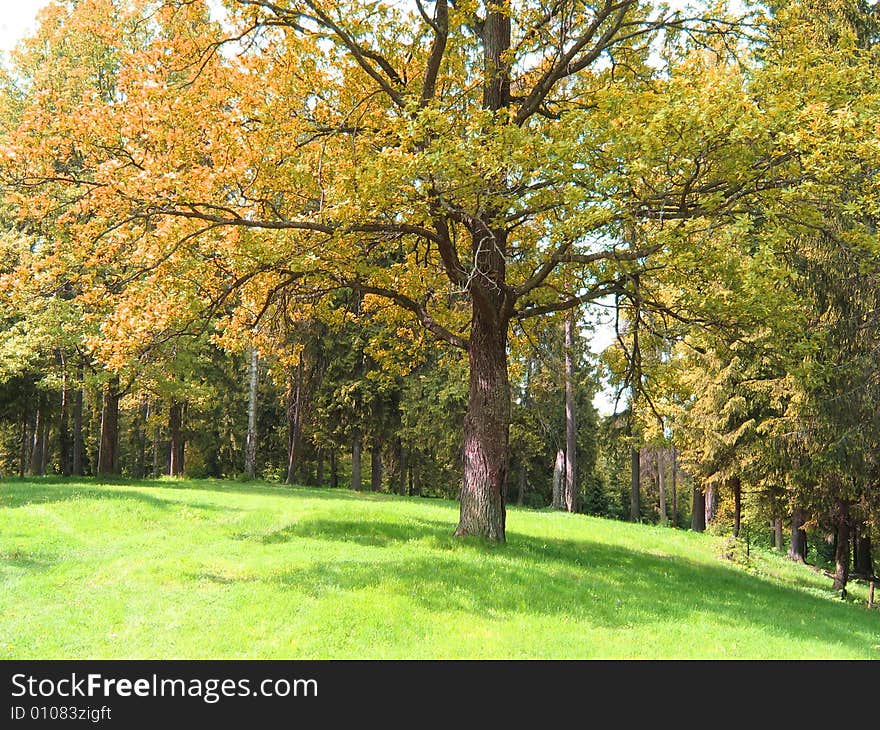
(363, 245)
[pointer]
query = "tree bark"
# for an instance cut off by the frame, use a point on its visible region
(250, 448)
(661, 484)
(736, 485)
(841, 552)
(487, 421)
(558, 481)
(376, 467)
(674, 474)
(334, 469)
(635, 487)
(36, 460)
(864, 562)
(294, 420)
(486, 427)
(175, 430)
(797, 549)
(698, 514)
(24, 443)
(108, 451)
(319, 468)
(778, 538)
(65, 457)
(570, 419)
(77, 456)
(711, 503)
(521, 489)
(356, 461)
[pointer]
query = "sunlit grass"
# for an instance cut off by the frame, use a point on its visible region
(247, 570)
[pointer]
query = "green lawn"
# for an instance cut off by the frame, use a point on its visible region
(246, 570)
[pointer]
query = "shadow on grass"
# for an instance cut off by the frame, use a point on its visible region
(604, 585)
(15, 494)
(255, 487)
(368, 532)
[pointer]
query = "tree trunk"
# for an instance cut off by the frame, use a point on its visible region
(864, 562)
(294, 420)
(521, 490)
(841, 552)
(64, 446)
(175, 430)
(711, 503)
(356, 461)
(736, 485)
(250, 448)
(777, 534)
(156, 437)
(635, 487)
(108, 451)
(570, 419)
(24, 443)
(487, 421)
(558, 481)
(797, 549)
(319, 468)
(403, 461)
(698, 515)
(334, 469)
(36, 465)
(486, 426)
(674, 471)
(77, 456)
(661, 483)
(376, 467)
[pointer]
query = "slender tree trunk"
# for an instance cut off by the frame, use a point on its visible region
(661, 483)
(698, 514)
(486, 428)
(864, 562)
(558, 480)
(108, 451)
(842, 552)
(797, 550)
(294, 420)
(44, 454)
(404, 466)
(77, 457)
(711, 503)
(778, 539)
(376, 467)
(635, 487)
(521, 491)
(674, 470)
(334, 469)
(175, 430)
(570, 419)
(319, 468)
(736, 485)
(65, 455)
(24, 443)
(250, 448)
(156, 436)
(36, 464)
(356, 461)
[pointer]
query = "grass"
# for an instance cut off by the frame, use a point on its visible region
(229, 570)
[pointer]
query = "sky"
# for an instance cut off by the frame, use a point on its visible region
(18, 18)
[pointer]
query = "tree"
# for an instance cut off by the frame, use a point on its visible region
(486, 161)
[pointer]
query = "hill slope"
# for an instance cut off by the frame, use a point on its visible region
(222, 570)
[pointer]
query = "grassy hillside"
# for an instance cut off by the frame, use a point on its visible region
(222, 570)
